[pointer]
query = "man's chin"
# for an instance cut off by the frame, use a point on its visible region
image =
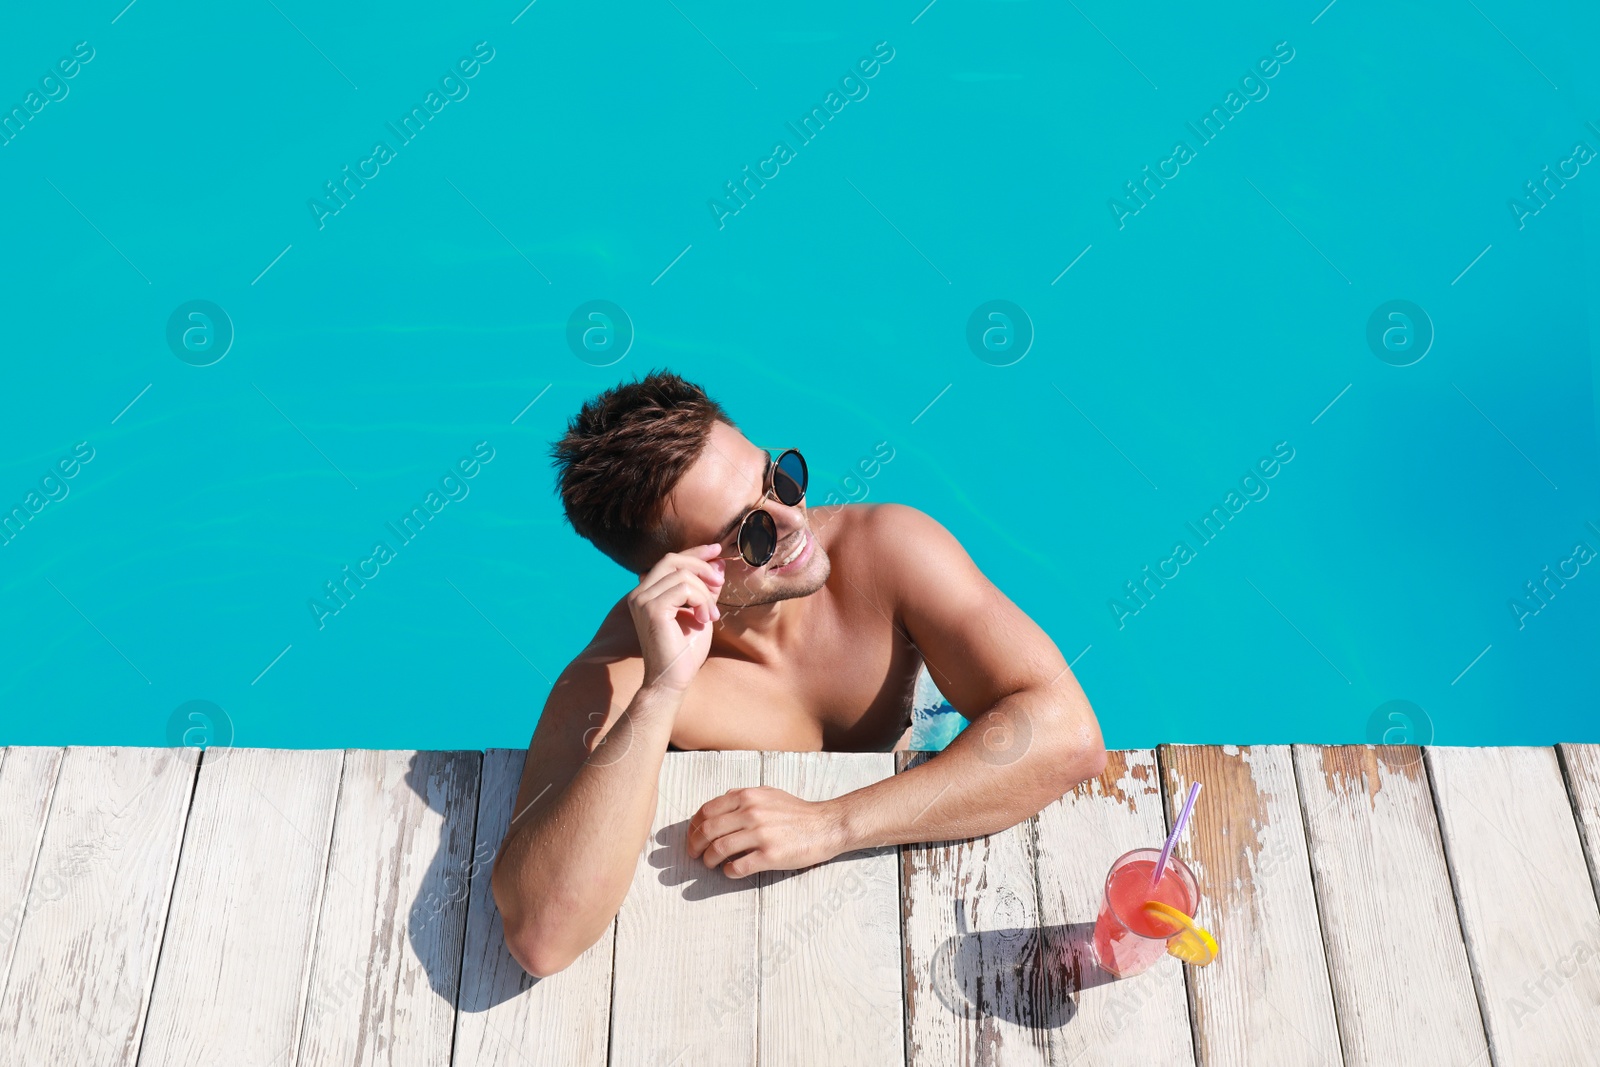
(786, 587)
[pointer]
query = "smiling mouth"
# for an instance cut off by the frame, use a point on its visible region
(794, 553)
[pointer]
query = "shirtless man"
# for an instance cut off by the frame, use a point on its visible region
(760, 623)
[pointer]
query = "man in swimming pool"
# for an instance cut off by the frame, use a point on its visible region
(761, 623)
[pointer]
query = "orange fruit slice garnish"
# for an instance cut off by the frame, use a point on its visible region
(1191, 943)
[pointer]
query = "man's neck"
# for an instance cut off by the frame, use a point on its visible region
(760, 632)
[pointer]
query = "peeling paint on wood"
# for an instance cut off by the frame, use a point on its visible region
(975, 964)
(1091, 1018)
(1266, 999)
(1324, 878)
(1128, 776)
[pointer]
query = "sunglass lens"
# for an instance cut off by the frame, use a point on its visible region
(789, 478)
(758, 539)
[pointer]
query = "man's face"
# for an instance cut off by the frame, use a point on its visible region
(706, 507)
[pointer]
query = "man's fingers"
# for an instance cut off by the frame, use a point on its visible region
(695, 568)
(648, 587)
(730, 845)
(674, 561)
(715, 828)
(687, 591)
(695, 559)
(750, 863)
(717, 806)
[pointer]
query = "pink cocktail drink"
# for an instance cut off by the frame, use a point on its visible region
(1127, 939)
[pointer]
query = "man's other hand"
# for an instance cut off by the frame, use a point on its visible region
(765, 829)
(674, 607)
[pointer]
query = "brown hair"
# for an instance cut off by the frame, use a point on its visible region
(622, 455)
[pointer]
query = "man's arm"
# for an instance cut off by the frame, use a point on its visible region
(1033, 734)
(588, 793)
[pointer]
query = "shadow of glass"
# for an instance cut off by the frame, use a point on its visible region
(1030, 976)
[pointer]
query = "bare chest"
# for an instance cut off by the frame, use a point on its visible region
(846, 690)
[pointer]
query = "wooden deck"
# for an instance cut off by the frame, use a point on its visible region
(279, 908)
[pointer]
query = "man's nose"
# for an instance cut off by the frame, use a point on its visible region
(788, 519)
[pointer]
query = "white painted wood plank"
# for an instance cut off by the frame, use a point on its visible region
(1384, 896)
(830, 981)
(1583, 785)
(1266, 999)
(27, 782)
(507, 1018)
(86, 955)
(236, 960)
(687, 935)
(1094, 1018)
(387, 963)
(974, 965)
(1526, 903)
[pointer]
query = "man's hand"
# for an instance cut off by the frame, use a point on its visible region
(673, 609)
(765, 829)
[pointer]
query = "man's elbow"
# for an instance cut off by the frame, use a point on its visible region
(535, 954)
(1080, 757)
(1091, 759)
(528, 940)
(543, 941)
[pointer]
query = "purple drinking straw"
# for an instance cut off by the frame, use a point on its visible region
(1177, 832)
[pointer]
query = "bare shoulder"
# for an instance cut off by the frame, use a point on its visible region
(610, 668)
(897, 541)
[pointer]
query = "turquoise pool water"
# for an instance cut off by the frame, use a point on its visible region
(1093, 272)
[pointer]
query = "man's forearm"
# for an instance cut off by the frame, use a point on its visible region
(1021, 755)
(565, 869)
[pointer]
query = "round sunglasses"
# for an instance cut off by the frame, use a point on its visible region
(758, 533)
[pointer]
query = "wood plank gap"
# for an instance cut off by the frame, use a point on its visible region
(33, 872)
(166, 918)
(1576, 803)
(905, 979)
(1316, 891)
(472, 872)
(1164, 772)
(611, 1013)
(297, 1035)
(761, 894)
(1036, 920)
(902, 760)
(1455, 899)
(1455, 896)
